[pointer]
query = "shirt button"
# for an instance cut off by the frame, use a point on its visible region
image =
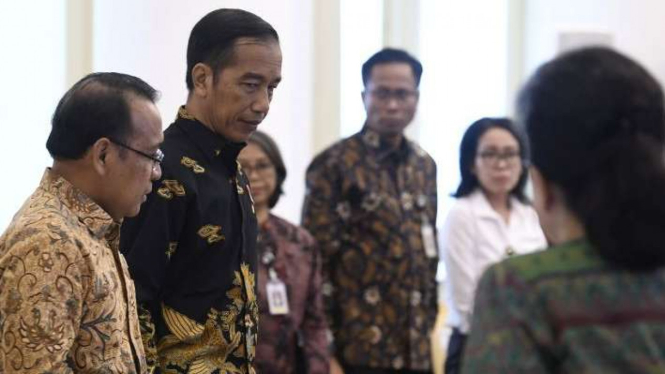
(376, 334)
(510, 251)
(407, 201)
(416, 298)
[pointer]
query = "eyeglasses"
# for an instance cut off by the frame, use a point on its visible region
(156, 157)
(400, 95)
(261, 168)
(493, 157)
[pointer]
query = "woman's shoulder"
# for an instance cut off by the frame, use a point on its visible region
(467, 202)
(460, 219)
(465, 207)
(557, 261)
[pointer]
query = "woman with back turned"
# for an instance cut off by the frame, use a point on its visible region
(593, 302)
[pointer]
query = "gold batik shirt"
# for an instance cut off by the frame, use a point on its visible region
(366, 205)
(192, 253)
(67, 303)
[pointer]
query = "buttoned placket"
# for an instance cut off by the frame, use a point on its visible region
(111, 239)
(245, 315)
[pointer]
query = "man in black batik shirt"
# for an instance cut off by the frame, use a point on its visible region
(191, 251)
(371, 205)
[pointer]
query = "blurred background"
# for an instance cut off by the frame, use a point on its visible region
(475, 54)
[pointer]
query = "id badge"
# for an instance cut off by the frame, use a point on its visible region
(428, 239)
(278, 303)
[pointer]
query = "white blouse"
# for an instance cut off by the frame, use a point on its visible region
(475, 237)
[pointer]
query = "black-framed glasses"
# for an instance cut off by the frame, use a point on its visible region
(493, 157)
(400, 95)
(156, 157)
(261, 168)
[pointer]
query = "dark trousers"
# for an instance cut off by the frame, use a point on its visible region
(456, 344)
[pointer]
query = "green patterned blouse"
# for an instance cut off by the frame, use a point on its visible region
(565, 310)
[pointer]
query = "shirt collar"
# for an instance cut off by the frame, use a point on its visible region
(96, 219)
(381, 148)
(483, 208)
(213, 145)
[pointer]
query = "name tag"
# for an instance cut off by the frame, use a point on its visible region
(278, 302)
(428, 240)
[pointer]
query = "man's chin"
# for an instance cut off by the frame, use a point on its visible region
(391, 130)
(240, 137)
(135, 212)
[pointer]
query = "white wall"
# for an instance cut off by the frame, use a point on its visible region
(32, 77)
(637, 27)
(464, 47)
(361, 35)
(149, 39)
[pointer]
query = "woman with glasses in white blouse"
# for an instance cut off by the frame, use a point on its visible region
(492, 219)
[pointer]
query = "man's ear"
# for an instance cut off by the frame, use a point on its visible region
(100, 155)
(363, 95)
(202, 78)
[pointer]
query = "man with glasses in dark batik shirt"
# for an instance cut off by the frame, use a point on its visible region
(371, 205)
(192, 250)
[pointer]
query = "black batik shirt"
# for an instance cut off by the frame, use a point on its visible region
(191, 252)
(366, 205)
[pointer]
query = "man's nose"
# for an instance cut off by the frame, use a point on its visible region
(262, 103)
(156, 171)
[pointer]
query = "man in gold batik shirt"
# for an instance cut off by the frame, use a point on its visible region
(192, 250)
(67, 303)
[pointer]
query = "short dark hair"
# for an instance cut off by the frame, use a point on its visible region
(596, 124)
(388, 56)
(96, 106)
(270, 148)
(469, 149)
(213, 38)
